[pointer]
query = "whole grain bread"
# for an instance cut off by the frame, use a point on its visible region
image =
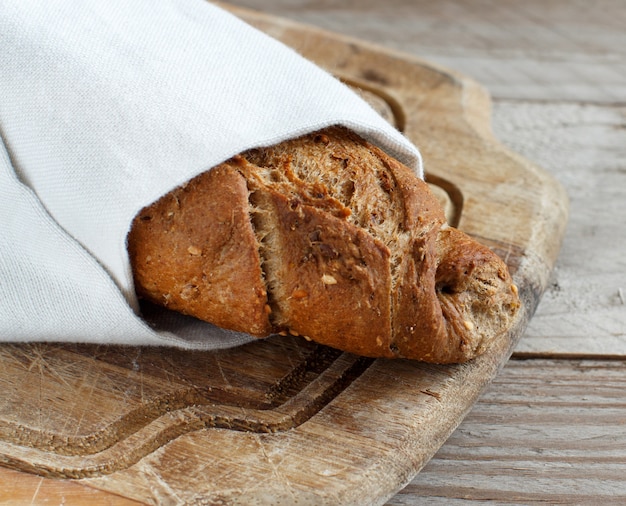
(327, 237)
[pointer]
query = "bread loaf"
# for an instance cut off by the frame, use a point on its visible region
(327, 237)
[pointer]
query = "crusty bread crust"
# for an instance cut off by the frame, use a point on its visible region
(327, 237)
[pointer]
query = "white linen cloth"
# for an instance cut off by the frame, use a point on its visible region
(104, 107)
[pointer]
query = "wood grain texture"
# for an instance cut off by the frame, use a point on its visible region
(545, 432)
(533, 50)
(583, 312)
(19, 489)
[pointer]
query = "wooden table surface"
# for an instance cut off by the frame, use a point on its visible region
(552, 427)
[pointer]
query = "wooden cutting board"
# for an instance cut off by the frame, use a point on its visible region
(286, 421)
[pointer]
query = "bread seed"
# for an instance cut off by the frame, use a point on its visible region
(321, 138)
(468, 325)
(327, 279)
(194, 250)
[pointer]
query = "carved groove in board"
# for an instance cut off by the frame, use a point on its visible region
(80, 461)
(282, 403)
(391, 108)
(449, 195)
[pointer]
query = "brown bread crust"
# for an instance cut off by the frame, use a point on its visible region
(327, 237)
(197, 254)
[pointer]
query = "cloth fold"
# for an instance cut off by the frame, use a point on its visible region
(105, 107)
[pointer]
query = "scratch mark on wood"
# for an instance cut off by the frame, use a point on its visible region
(431, 393)
(275, 468)
(219, 368)
(32, 501)
(165, 487)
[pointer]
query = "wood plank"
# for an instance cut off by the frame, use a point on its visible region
(533, 50)
(583, 311)
(545, 431)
